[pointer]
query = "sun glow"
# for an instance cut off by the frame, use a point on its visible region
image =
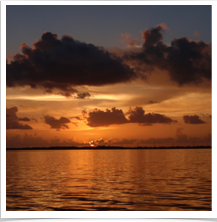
(91, 143)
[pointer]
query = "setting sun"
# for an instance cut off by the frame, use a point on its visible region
(91, 143)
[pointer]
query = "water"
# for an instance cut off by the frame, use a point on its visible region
(135, 180)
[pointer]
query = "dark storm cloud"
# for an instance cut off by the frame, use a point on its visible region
(12, 120)
(137, 115)
(52, 63)
(57, 123)
(193, 119)
(185, 60)
(109, 117)
(116, 116)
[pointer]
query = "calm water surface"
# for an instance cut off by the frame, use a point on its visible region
(159, 180)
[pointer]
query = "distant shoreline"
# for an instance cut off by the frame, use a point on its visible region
(109, 148)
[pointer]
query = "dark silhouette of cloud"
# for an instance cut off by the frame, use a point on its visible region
(62, 64)
(137, 115)
(57, 123)
(105, 118)
(82, 95)
(12, 120)
(193, 119)
(185, 60)
(24, 119)
(116, 116)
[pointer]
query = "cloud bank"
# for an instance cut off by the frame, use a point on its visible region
(63, 64)
(115, 116)
(186, 61)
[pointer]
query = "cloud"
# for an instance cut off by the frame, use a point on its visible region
(193, 119)
(98, 117)
(82, 95)
(33, 140)
(186, 61)
(12, 120)
(180, 137)
(151, 102)
(121, 142)
(163, 26)
(105, 118)
(152, 36)
(35, 119)
(157, 141)
(196, 34)
(57, 123)
(134, 42)
(183, 138)
(24, 119)
(137, 115)
(126, 39)
(63, 64)
(27, 140)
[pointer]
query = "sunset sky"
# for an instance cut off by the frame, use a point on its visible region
(113, 75)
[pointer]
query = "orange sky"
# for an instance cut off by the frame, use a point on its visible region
(169, 100)
(151, 94)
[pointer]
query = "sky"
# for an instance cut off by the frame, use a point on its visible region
(108, 75)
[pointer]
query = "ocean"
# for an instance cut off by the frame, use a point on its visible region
(109, 180)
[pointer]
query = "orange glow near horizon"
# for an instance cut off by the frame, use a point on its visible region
(91, 143)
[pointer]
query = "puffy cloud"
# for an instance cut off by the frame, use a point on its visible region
(186, 61)
(57, 123)
(98, 117)
(62, 64)
(163, 26)
(105, 118)
(137, 115)
(152, 36)
(193, 119)
(12, 120)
